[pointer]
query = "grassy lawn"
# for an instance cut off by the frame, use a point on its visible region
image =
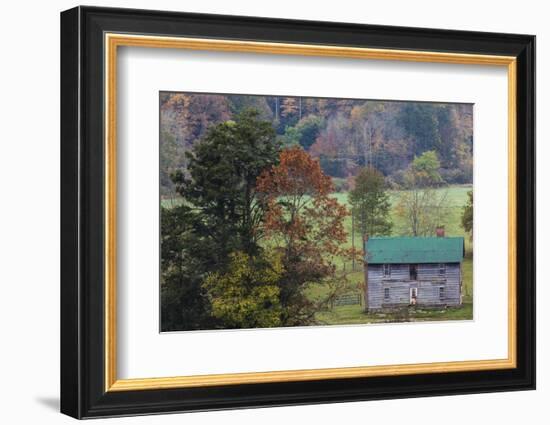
(354, 314)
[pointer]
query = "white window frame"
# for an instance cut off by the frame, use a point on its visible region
(387, 270)
(442, 269)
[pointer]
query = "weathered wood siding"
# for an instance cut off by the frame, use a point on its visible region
(428, 283)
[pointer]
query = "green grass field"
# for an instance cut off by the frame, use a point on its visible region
(354, 315)
(457, 197)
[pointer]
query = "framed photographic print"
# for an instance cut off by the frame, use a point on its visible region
(261, 212)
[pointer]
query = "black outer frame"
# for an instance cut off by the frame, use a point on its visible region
(82, 217)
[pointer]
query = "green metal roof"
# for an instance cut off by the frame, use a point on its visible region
(414, 250)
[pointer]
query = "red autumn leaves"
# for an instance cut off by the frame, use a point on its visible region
(301, 216)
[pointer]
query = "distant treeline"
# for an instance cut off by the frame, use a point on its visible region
(344, 134)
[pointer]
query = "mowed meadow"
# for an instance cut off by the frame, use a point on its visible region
(350, 310)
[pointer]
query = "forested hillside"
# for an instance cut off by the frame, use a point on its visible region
(343, 134)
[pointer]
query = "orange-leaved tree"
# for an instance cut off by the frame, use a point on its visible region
(306, 225)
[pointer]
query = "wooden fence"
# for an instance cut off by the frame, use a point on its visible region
(347, 299)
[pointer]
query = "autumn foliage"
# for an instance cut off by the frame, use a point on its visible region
(300, 210)
(307, 226)
(247, 294)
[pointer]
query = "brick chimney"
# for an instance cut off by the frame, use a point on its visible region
(440, 231)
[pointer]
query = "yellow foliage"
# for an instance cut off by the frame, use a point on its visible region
(247, 295)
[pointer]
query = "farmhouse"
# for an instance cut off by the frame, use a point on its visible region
(413, 271)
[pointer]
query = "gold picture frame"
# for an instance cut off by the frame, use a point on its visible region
(114, 41)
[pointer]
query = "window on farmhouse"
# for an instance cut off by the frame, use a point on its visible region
(413, 271)
(441, 293)
(386, 294)
(387, 270)
(442, 269)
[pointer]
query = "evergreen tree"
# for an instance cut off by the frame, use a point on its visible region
(220, 214)
(221, 180)
(184, 261)
(370, 203)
